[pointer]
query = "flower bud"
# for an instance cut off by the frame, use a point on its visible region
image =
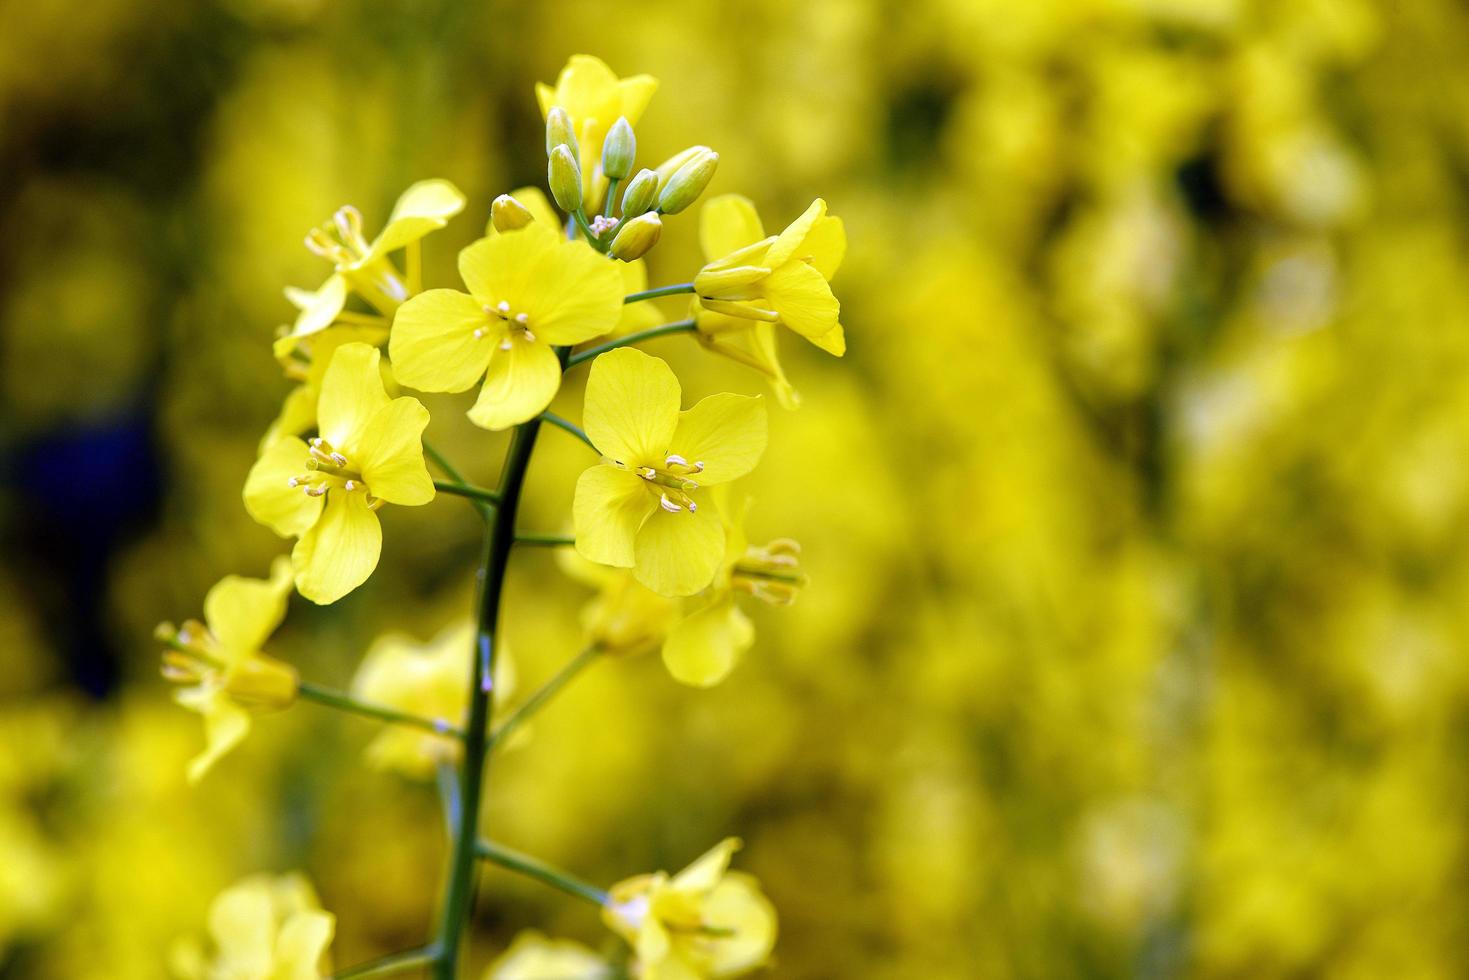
(559, 131)
(640, 194)
(636, 237)
(564, 177)
(508, 214)
(669, 167)
(688, 182)
(619, 149)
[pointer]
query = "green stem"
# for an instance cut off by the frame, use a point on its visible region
(683, 287)
(499, 537)
(569, 426)
(544, 540)
(611, 196)
(539, 870)
(546, 691)
(393, 963)
(345, 702)
(467, 490)
(678, 326)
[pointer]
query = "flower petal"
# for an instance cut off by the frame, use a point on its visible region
(426, 206)
(825, 246)
(572, 294)
(519, 385)
(803, 298)
(352, 392)
(225, 725)
(678, 554)
(269, 496)
(498, 268)
(609, 506)
(242, 925)
(242, 612)
(728, 223)
(320, 308)
(433, 346)
(391, 454)
(702, 650)
(726, 433)
(706, 872)
(340, 551)
(631, 407)
(834, 341)
(303, 940)
(788, 244)
(737, 904)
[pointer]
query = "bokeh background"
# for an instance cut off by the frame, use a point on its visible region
(1135, 516)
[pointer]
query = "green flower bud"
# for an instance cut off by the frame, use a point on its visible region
(619, 149)
(688, 182)
(640, 194)
(636, 237)
(669, 167)
(559, 131)
(564, 178)
(508, 214)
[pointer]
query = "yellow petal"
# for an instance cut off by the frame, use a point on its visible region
(678, 554)
(631, 406)
(803, 299)
(653, 943)
(302, 945)
(737, 904)
(298, 414)
(703, 874)
(340, 551)
(825, 246)
(634, 93)
(269, 496)
(433, 344)
(609, 506)
(498, 268)
(788, 244)
(391, 454)
(225, 725)
(702, 650)
(725, 432)
(834, 341)
(728, 223)
(242, 612)
(242, 925)
(426, 206)
(766, 348)
(321, 307)
(352, 392)
(572, 294)
(534, 957)
(520, 384)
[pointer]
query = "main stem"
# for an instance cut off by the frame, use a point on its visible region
(499, 537)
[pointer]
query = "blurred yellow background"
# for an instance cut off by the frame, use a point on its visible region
(1134, 644)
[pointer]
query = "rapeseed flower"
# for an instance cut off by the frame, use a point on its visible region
(752, 282)
(368, 451)
(532, 956)
(220, 660)
(428, 680)
(529, 292)
(705, 921)
(646, 506)
(264, 927)
(363, 267)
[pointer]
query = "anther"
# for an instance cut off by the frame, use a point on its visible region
(294, 482)
(529, 336)
(479, 333)
(316, 491)
(503, 308)
(669, 505)
(505, 344)
(674, 459)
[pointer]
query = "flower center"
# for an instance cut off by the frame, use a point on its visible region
(326, 470)
(671, 485)
(342, 241)
(190, 657)
(514, 323)
(771, 574)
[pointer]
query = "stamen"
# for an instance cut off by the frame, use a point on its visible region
(503, 308)
(693, 507)
(479, 333)
(529, 336)
(339, 459)
(350, 485)
(674, 459)
(505, 344)
(316, 491)
(522, 318)
(294, 482)
(669, 505)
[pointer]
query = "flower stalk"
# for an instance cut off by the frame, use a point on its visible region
(345, 702)
(678, 326)
(532, 868)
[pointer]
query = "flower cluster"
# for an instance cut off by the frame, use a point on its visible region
(657, 517)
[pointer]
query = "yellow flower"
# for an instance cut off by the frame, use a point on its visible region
(624, 617)
(264, 927)
(646, 505)
(594, 98)
(368, 450)
(363, 267)
(753, 282)
(703, 648)
(306, 362)
(534, 957)
(529, 291)
(705, 921)
(428, 680)
(221, 662)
